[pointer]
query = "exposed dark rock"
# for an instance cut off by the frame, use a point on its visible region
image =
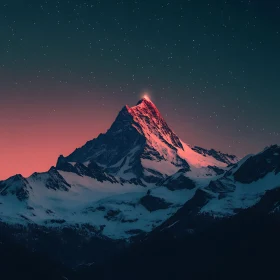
(226, 158)
(152, 203)
(15, 185)
(101, 208)
(112, 215)
(217, 170)
(25, 218)
(137, 182)
(63, 165)
(258, 166)
(188, 216)
(179, 183)
(55, 181)
(221, 186)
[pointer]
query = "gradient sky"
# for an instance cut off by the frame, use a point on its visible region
(68, 67)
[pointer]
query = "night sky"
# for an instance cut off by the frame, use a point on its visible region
(68, 67)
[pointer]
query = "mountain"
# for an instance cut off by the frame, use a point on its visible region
(105, 182)
(227, 230)
(137, 180)
(252, 183)
(141, 145)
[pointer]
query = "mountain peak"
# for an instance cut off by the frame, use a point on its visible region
(140, 144)
(147, 108)
(145, 102)
(152, 125)
(144, 99)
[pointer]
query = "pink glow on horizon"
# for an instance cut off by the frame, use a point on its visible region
(29, 145)
(37, 149)
(34, 133)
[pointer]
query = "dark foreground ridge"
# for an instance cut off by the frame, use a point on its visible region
(243, 247)
(17, 262)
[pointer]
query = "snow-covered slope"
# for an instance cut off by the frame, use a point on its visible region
(252, 182)
(245, 184)
(59, 198)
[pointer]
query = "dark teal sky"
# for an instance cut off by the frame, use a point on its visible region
(211, 67)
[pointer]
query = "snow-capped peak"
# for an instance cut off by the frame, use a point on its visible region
(151, 122)
(146, 102)
(140, 144)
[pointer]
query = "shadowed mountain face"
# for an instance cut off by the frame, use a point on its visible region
(16, 185)
(259, 166)
(138, 133)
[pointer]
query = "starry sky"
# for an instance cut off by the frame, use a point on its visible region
(68, 67)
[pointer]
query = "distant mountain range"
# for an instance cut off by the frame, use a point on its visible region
(137, 182)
